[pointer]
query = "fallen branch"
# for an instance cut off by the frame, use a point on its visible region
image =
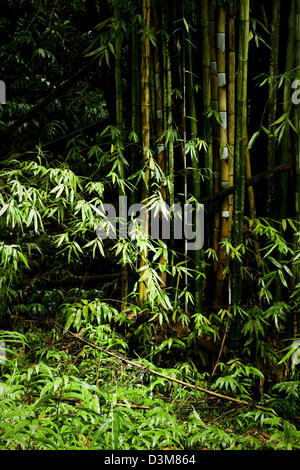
(159, 374)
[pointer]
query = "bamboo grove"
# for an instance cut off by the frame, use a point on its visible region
(197, 124)
(165, 102)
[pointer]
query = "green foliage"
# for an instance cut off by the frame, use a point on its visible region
(237, 378)
(49, 401)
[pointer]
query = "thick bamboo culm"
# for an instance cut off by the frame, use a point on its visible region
(231, 104)
(145, 125)
(224, 162)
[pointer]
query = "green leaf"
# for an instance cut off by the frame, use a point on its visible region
(253, 139)
(288, 354)
(279, 120)
(186, 25)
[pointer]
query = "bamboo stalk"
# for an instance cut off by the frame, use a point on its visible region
(145, 107)
(207, 106)
(206, 86)
(161, 151)
(286, 108)
(231, 104)
(119, 125)
(224, 154)
(215, 106)
(184, 149)
(240, 153)
(252, 206)
(167, 98)
(135, 106)
(272, 101)
(197, 254)
(167, 111)
(152, 87)
(206, 103)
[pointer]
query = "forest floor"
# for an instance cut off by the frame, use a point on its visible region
(57, 392)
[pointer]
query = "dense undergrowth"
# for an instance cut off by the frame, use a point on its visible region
(57, 392)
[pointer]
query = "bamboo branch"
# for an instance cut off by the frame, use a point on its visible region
(249, 182)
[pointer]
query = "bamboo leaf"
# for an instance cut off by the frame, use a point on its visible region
(288, 354)
(281, 119)
(253, 139)
(186, 24)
